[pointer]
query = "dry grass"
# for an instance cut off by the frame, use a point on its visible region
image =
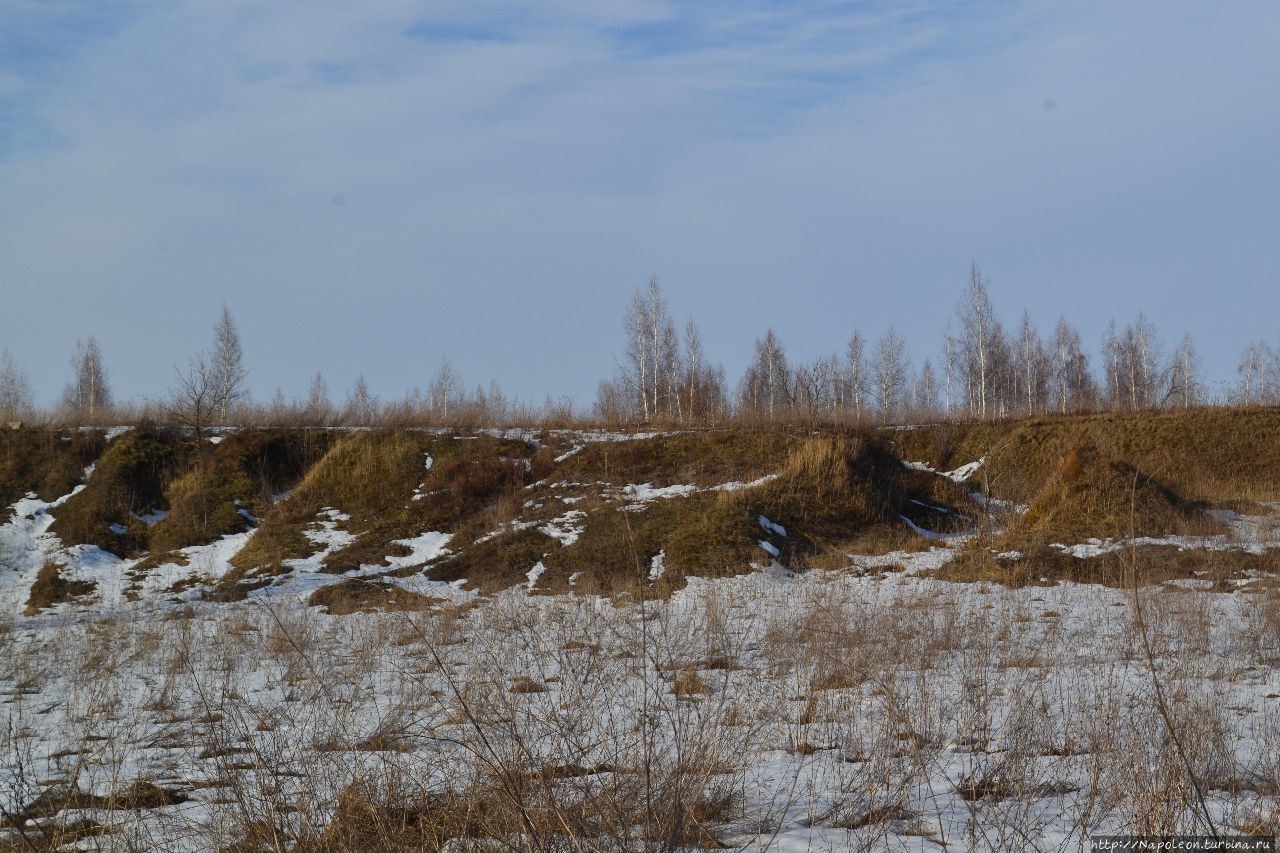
(128, 480)
(50, 588)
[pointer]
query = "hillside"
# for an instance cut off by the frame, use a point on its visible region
(323, 640)
(361, 518)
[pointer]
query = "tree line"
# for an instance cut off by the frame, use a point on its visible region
(981, 371)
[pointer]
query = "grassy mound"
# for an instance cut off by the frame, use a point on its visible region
(45, 461)
(51, 588)
(1213, 455)
(381, 480)
(241, 473)
(834, 493)
(357, 595)
(1094, 495)
(843, 491)
(129, 480)
(699, 458)
(1090, 495)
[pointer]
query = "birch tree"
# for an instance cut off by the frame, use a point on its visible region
(856, 375)
(890, 371)
(767, 383)
(15, 390)
(652, 366)
(228, 362)
(978, 322)
(362, 406)
(1184, 375)
(89, 394)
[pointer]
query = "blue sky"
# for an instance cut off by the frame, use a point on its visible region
(371, 186)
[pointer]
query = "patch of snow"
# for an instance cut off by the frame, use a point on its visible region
(567, 528)
(964, 472)
(509, 527)
(734, 485)
(658, 565)
(118, 529)
(911, 562)
(932, 535)
(216, 439)
(326, 534)
(153, 516)
(117, 431)
(423, 549)
(89, 469)
(642, 493)
(772, 526)
(768, 546)
(563, 456)
(535, 573)
(958, 475)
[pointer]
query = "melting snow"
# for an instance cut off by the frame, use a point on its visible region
(772, 527)
(535, 573)
(658, 565)
(567, 528)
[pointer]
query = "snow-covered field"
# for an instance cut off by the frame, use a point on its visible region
(823, 711)
(874, 707)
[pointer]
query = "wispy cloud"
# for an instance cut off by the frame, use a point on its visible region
(370, 185)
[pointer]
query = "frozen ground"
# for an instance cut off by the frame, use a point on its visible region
(874, 707)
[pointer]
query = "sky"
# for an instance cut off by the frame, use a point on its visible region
(373, 186)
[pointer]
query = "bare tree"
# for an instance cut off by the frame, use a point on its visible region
(979, 325)
(926, 391)
(1132, 360)
(15, 390)
(1255, 387)
(653, 364)
(856, 375)
(1032, 368)
(443, 391)
(1184, 375)
(196, 395)
(228, 359)
(766, 385)
(319, 409)
(362, 406)
(890, 370)
(89, 394)
(1073, 384)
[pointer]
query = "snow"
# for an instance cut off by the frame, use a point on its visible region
(658, 565)
(734, 485)
(910, 562)
(563, 456)
(958, 475)
(325, 534)
(642, 493)
(567, 528)
(768, 546)
(535, 573)
(423, 549)
(772, 527)
(934, 536)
